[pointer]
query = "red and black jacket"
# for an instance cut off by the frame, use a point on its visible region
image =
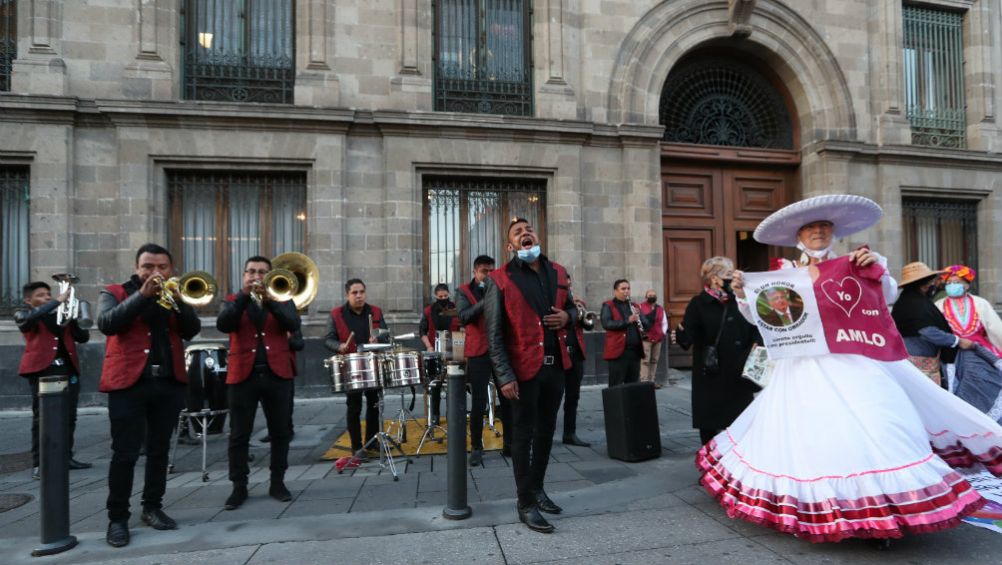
(471, 315)
(280, 318)
(338, 331)
(615, 339)
(41, 345)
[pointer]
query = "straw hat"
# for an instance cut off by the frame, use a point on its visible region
(916, 271)
(848, 214)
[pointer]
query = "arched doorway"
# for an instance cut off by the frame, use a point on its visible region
(728, 159)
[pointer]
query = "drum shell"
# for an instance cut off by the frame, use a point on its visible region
(402, 369)
(355, 372)
(433, 365)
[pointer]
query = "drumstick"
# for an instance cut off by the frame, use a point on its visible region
(351, 336)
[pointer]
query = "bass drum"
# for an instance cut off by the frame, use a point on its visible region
(206, 365)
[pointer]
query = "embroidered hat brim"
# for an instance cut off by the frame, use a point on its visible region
(848, 214)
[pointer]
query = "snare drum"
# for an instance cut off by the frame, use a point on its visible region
(354, 372)
(434, 365)
(402, 369)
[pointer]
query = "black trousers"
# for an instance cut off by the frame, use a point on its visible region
(507, 427)
(626, 368)
(146, 411)
(478, 372)
(705, 435)
(572, 393)
(72, 398)
(372, 422)
(534, 417)
(273, 393)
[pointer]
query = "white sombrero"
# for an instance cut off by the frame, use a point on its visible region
(847, 212)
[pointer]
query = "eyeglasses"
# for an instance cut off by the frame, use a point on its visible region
(256, 271)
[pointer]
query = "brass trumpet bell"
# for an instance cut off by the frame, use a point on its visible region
(280, 285)
(197, 288)
(303, 271)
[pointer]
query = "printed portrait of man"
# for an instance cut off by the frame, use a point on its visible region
(779, 307)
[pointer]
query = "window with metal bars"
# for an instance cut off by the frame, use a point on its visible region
(8, 40)
(467, 217)
(934, 76)
(219, 219)
(238, 50)
(14, 255)
(483, 56)
(941, 232)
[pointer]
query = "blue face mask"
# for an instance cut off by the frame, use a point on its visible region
(955, 289)
(482, 284)
(529, 255)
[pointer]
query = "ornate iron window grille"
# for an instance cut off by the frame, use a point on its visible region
(14, 234)
(239, 50)
(940, 232)
(8, 40)
(483, 56)
(934, 77)
(219, 219)
(713, 101)
(467, 217)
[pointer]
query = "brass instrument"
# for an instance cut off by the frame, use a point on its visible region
(296, 267)
(279, 284)
(197, 288)
(586, 318)
(73, 308)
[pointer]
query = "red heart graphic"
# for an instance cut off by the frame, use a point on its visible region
(847, 294)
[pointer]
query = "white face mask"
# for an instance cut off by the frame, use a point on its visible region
(529, 255)
(819, 254)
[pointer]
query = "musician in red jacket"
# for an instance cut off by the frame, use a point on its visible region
(438, 316)
(348, 326)
(260, 368)
(623, 336)
(572, 385)
(49, 350)
(469, 303)
(528, 309)
(144, 376)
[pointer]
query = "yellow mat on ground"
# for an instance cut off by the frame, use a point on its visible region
(415, 430)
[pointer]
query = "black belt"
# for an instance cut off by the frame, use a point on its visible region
(261, 369)
(156, 371)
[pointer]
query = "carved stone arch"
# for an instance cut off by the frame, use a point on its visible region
(777, 35)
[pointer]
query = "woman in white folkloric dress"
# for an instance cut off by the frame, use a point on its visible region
(841, 445)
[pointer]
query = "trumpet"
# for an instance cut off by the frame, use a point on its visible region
(279, 285)
(73, 308)
(196, 288)
(586, 318)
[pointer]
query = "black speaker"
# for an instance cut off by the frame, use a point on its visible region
(632, 432)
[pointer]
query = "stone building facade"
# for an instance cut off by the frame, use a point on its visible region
(99, 119)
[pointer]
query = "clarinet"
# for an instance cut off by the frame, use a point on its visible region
(640, 325)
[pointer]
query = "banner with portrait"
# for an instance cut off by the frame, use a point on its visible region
(833, 307)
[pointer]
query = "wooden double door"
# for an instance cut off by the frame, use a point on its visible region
(712, 209)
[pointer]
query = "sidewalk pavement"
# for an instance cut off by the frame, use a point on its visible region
(614, 512)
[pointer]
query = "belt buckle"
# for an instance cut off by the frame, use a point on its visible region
(156, 370)
(58, 362)
(549, 360)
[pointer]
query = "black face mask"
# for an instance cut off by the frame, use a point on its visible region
(652, 299)
(442, 302)
(727, 286)
(931, 291)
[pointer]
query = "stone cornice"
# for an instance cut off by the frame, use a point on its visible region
(908, 155)
(274, 117)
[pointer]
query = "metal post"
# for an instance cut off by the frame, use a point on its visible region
(55, 469)
(456, 507)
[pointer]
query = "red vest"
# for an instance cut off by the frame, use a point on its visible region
(432, 332)
(615, 340)
(243, 348)
(41, 347)
(342, 328)
(125, 353)
(654, 333)
(476, 332)
(524, 331)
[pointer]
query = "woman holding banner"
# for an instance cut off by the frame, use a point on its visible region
(849, 439)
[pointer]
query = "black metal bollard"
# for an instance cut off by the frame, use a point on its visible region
(456, 507)
(54, 468)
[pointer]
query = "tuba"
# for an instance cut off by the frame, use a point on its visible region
(73, 308)
(295, 277)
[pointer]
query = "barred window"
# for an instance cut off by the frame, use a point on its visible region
(238, 50)
(14, 256)
(219, 219)
(934, 76)
(941, 232)
(483, 57)
(8, 40)
(465, 218)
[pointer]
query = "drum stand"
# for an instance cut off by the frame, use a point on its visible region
(384, 442)
(204, 419)
(400, 420)
(429, 432)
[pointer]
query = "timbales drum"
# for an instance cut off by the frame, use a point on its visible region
(402, 369)
(434, 365)
(354, 372)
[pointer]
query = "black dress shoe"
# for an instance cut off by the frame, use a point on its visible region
(476, 457)
(266, 439)
(279, 492)
(118, 533)
(573, 439)
(77, 465)
(157, 520)
(531, 517)
(544, 503)
(236, 498)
